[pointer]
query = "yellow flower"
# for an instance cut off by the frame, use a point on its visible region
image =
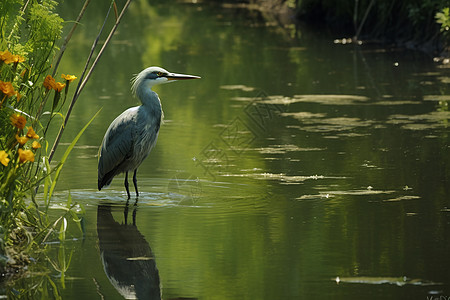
(31, 134)
(21, 139)
(49, 82)
(7, 88)
(69, 78)
(4, 160)
(26, 155)
(18, 121)
(59, 86)
(36, 145)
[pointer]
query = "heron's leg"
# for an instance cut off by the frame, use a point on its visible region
(135, 183)
(126, 184)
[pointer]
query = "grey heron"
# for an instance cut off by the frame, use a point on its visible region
(132, 135)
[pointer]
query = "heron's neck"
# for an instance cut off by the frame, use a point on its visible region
(149, 99)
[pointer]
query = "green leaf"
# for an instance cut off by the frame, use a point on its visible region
(76, 219)
(47, 180)
(56, 100)
(69, 201)
(62, 230)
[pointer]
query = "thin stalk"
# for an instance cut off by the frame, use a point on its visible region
(355, 15)
(82, 84)
(364, 19)
(69, 36)
(77, 90)
(91, 53)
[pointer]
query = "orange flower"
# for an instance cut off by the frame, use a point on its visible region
(49, 82)
(17, 58)
(21, 139)
(59, 86)
(26, 155)
(36, 145)
(7, 88)
(6, 56)
(69, 78)
(18, 121)
(4, 160)
(31, 134)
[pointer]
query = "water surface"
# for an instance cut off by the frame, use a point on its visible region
(295, 168)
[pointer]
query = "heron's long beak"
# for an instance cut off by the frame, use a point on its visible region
(174, 76)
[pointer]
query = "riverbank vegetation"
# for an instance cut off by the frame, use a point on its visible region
(32, 100)
(35, 98)
(416, 24)
(419, 24)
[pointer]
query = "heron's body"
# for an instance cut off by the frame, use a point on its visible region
(128, 141)
(132, 135)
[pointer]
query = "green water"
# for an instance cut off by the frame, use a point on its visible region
(294, 161)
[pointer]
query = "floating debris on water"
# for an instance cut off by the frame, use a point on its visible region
(314, 197)
(367, 191)
(304, 115)
(401, 198)
(436, 97)
(238, 87)
(285, 179)
(399, 281)
(317, 98)
(281, 149)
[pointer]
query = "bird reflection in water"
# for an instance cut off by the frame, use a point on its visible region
(126, 256)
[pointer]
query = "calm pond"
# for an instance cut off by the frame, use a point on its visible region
(296, 168)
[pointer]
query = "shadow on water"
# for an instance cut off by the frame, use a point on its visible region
(126, 256)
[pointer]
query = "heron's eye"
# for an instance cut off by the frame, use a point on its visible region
(160, 74)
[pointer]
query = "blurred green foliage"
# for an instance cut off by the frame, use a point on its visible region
(443, 18)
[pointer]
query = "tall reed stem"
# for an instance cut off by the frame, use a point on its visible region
(83, 80)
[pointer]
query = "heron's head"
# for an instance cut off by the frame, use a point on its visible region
(156, 75)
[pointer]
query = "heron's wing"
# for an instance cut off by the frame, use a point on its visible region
(117, 146)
